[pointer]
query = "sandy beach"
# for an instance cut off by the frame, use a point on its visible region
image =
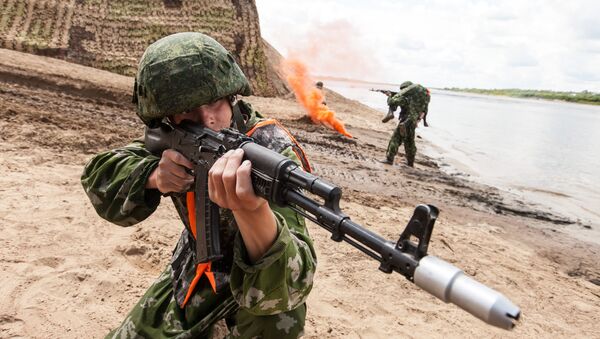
(67, 273)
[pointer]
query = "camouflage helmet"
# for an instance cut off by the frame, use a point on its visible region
(182, 71)
(405, 84)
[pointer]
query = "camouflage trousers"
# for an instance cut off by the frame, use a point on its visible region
(404, 133)
(157, 315)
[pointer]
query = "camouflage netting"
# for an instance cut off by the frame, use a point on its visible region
(112, 35)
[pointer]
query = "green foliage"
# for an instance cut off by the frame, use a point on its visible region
(583, 97)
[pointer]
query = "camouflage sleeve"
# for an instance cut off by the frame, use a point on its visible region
(395, 101)
(281, 280)
(115, 182)
(419, 102)
(421, 99)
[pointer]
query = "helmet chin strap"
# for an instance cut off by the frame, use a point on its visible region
(238, 118)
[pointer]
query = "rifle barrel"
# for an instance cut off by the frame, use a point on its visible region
(432, 274)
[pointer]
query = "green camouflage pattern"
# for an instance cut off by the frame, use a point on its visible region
(405, 84)
(115, 182)
(157, 315)
(182, 71)
(412, 100)
(404, 133)
(261, 299)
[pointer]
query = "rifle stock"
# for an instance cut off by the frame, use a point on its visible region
(280, 180)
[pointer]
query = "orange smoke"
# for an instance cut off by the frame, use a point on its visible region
(309, 96)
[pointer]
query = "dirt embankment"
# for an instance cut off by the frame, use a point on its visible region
(113, 34)
(67, 273)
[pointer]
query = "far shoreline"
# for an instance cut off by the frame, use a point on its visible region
(584, 97)
(539, 205)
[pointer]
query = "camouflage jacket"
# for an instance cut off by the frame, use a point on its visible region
(279, 281)
(413, 100)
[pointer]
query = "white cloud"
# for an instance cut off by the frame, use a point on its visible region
(533, 44)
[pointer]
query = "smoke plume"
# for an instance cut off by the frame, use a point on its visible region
(310, 97)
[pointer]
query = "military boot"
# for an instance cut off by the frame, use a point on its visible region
(387, 161)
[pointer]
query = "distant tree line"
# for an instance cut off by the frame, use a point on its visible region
(583, 97)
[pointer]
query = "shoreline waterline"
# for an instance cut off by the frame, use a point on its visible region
(522, 154)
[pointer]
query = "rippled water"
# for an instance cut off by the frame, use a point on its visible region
(546, 151)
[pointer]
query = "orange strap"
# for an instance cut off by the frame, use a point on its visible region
(201, 268)
(190, 200)
(204, 268)
(273, 121)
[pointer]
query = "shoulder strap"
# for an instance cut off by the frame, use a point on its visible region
(291, 141)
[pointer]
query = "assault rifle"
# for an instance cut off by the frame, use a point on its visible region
(281, 181)
(384, 91)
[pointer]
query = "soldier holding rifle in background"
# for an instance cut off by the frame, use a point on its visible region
(413, 100)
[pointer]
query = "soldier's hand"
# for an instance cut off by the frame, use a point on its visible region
(171, 174)
(230, 186)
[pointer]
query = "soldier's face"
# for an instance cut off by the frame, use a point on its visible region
(215, 116)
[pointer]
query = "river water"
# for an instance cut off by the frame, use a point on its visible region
(547, 152)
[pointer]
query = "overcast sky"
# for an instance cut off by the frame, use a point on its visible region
(486, 44)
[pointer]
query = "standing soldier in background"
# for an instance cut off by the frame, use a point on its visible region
(261, 283)
(319, 86)
(413, 100)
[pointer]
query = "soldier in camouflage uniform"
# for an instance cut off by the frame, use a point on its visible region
(319, 86)
(261, 284)
(413, 100)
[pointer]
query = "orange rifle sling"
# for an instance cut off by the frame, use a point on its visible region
(204, 268)
(273, 121)
(201, 268)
